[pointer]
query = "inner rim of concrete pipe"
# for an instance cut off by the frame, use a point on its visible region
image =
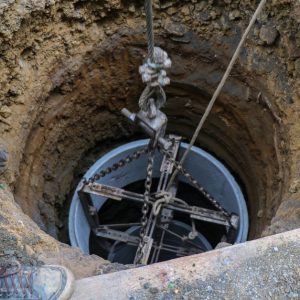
(210, 172)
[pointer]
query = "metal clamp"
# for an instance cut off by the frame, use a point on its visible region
(154, 73)
(154, 127)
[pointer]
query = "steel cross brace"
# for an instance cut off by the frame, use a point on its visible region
(118, 194)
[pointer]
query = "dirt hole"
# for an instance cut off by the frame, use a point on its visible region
(80, 121)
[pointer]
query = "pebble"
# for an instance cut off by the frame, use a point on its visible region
(268, 34)
(175, 29)
(297, 65)
(260, 213)
(235, 14)
(153, 290)
(185, 11)
(171, 11)
(131, 8)
(205, 16)
(146, 285)
(5, 112)
(9, 252)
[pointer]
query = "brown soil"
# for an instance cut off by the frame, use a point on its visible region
(68, 67)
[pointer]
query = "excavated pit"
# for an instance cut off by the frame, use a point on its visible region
(80, 121)
(68, 68)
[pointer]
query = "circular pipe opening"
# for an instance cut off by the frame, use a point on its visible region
(206, 169)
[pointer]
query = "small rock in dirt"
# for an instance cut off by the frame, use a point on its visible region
(175, 29)
(260, 213)
(146, 285)
(5, 112)
(9, 252)
(297, 65)
(154, 290)
(268, 34)
(235, 14)
(131, 8)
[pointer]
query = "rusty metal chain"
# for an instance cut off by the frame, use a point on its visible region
(120, 164)
(145, 208)
(200, 188)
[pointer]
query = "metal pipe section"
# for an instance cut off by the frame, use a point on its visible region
(206, 169)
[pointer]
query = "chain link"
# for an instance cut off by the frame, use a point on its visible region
(120, 164)
(200, 188)
(145, 208)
